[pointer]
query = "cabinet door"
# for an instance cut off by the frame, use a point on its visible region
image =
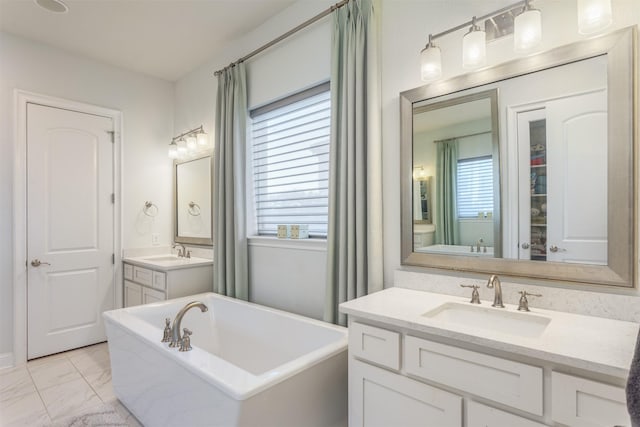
(151, 295)
(379, 398)
(479, 415)
(578, 402)
(132, 294)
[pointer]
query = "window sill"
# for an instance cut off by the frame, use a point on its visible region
(319, 245)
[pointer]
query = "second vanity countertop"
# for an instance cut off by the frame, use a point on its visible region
(595, 344)
(167, 262)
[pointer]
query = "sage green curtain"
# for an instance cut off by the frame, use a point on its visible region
(354, 240)
(230, 237)
(447, 232)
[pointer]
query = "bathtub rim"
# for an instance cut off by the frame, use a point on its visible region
(231, 379)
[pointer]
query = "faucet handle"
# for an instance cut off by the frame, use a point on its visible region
(523, 305)
(185, 344)
(475, 296)
(166, 337)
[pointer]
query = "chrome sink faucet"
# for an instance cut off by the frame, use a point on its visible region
(494, 283)
(176, 339)
(480, 240)
(182, 251)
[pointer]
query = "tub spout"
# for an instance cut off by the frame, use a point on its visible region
(176, 339)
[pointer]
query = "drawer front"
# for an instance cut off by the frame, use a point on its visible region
(578, 402)
(375, 345)
(159, 280)
(380, 398)
(479, 415)
(143, 276)
(511, 383)
(128, 272)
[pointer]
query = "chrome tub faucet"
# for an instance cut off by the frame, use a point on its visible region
(494, 283)
(176, 339)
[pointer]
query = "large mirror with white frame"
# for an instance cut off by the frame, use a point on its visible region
(193, 200)
(528, 167)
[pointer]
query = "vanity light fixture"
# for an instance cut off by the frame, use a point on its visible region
(474, 47)
(527, 32)
(430, 62)
(594, 15)
(188, 142)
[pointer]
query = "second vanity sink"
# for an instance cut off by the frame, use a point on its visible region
(493, 319)
(165, 258)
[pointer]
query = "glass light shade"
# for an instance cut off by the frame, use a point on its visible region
(419, 174)
(202, 139)
(474, 48)
(593, 15)
(528, 30)
(430, 63)
(191, 143)
(182, 146)
(173, 151)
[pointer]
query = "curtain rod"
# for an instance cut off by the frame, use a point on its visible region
(461, 136)
(285, 35)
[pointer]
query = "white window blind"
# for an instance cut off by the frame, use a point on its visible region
(290, 148)
(474, 186)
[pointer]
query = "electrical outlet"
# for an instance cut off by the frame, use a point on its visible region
(155, 239)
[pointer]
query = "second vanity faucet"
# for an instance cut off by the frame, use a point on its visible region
(182, 251)
(494, 283)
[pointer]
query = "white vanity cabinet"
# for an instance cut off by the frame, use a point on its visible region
(147, 284)
(399, 379)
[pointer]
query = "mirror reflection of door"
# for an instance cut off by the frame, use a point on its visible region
(563, 179)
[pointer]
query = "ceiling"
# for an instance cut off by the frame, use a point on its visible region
(162, 38)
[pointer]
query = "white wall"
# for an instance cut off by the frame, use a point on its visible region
(288, 275)
(147, 107)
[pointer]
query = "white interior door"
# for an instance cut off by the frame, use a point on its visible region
(577, 178)
(70, 228)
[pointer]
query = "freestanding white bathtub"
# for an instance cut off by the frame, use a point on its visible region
(250, 366)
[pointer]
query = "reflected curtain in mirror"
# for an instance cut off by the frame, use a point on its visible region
(447, 231)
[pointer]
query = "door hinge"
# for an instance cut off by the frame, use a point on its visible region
(113, 197)
(113, 259)
(113, 135)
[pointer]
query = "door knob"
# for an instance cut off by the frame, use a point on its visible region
(37, 263)
(553, 248)
(525, 246)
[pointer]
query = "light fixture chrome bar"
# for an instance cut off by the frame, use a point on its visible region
(285, 35)
(194, 130)
(478, 19)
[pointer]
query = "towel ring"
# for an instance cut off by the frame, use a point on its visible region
(194, 209)
(150, 209)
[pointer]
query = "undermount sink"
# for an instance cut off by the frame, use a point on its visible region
(492, 319)
(165, 258)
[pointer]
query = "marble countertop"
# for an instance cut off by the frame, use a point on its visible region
(594, 344)
(167, 262)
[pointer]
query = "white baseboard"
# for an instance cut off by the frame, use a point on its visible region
(6, 360)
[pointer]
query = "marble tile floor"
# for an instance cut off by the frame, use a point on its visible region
(51, 388)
